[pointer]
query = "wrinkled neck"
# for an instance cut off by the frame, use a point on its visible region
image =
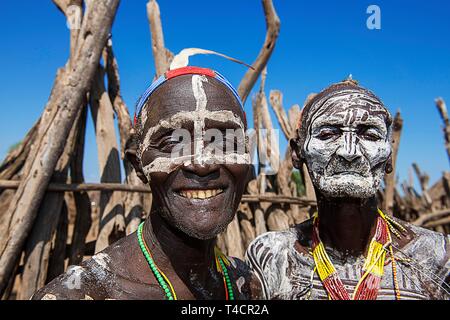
(189, 257)
(347, 224)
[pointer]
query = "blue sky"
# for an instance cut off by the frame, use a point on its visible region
(407, 62)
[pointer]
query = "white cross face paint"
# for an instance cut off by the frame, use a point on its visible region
(196, 183)
(347, 147)
(182, 154)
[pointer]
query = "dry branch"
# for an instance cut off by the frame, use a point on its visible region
(440, 103)
(112, 220)
(161, 55)
(51, 139)
(15, 160)
(389, 179)
(276, 101)
(425, 218)
(83, 218)
(134, 202)
(273, 29)
(82, 187)
(37, 252)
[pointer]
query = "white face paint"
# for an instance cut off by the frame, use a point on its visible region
(201, 155)
(347, 147)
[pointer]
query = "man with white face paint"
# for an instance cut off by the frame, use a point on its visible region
(197, 174)
(349, 249)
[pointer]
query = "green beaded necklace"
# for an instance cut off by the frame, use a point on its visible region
(221, 263)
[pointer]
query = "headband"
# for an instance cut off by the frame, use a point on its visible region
(179, 72)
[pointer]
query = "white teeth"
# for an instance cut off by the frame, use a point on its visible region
(200, 194)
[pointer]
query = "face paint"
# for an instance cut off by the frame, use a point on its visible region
(198, 117)
(347, 144)
(196, 183)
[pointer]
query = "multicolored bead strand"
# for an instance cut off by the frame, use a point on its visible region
(228, 287)
(368, 286)
(163, 281)
(158, 275)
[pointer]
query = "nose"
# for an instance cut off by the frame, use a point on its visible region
(350, 149)
(201, 170)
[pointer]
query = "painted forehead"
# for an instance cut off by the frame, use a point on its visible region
(347, 106)
(177, 95)
(348, 116)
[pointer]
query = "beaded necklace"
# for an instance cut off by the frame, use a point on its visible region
(373, 268)
(221, 264)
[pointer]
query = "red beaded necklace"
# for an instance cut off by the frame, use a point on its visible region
(369, 284)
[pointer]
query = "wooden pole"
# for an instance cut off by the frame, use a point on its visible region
(37, 252)
(82, 187)
(442, 107)
(273, 29)
(49, 145)
(133, 202)
(112, 221)
(161, 55)
(83, 219)
(389, 179)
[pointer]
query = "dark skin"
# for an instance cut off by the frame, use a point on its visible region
(346, 224)
(180, 232)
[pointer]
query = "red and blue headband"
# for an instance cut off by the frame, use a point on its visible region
(179, 72)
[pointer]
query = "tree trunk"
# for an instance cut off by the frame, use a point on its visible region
(112, 222)
(49, 145)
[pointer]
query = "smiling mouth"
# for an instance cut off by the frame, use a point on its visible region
(200, 194)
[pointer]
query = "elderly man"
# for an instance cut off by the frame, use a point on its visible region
(349, 249)
(190, 124)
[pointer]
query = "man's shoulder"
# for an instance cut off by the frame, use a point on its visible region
(270, 241)
(277, 246)
(95, 278)
(428, 243)
(298, 235)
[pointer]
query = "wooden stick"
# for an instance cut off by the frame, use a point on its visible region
(15, 160)
(83, 219)
(112, 220)
(271, 150)
(161, 55)
(50, 143)
(426, 217)
(438, 223)
(273, 29)
(119, 106)
(82, 187)
(440, 103)
(37, 251)
(56, 262)
(133, 202)
(389, 179)
(276, 101)
(424, 180)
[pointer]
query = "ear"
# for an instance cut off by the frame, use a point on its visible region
(131, 155)
(296, 157)
(389, 168)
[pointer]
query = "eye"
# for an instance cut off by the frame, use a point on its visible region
(371, 134)
(166, 143)
(328, 133)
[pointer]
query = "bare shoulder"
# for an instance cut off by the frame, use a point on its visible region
(277, 244)
(430, 247)
(114, 273)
